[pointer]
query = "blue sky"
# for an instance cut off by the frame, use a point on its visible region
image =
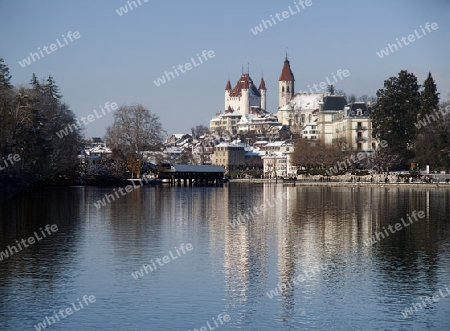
(117, 58)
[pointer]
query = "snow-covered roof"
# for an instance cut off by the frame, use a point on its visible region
(172, 150)
(274, 155)
(276, 144)
(100, 150)
(246, 118)
(305, 101)
(198, 168)
(225, 144)
(251, 153)
(231, 115)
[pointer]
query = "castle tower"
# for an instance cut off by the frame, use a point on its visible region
(227, 94)
(262, 91)
(285, 84)
(245, 95)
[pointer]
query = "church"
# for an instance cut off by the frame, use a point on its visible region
(324, 116)
(296, 110)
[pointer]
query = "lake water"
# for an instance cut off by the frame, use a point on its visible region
(302, 263)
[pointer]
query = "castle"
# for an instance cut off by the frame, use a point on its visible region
(322, 116)
(245, 96)
(245, 109)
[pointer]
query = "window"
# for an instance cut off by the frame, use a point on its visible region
(287, 89)
(282, 89)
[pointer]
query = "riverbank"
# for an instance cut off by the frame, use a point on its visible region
(350, 181)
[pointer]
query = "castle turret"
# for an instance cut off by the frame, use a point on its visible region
(227, 92)
(245, 95)
(285, 84)
(262, 91)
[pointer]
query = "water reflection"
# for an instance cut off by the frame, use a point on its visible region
(231, 269)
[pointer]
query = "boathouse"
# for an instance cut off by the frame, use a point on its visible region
(193, 175)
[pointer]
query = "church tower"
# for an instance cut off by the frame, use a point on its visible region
(285, 84)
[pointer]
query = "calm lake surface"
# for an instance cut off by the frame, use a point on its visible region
(309, 245)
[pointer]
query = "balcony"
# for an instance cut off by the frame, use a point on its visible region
(362, 128)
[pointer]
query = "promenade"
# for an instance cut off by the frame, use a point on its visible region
(378, 180)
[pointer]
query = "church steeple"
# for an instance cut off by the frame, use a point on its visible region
(285, 84)
(286, 72)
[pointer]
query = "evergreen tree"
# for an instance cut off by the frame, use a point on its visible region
(51, 89)
(429, 97)
(432, 138)
(5, 77)
(35, 83)
(395, 112)
(6, 104)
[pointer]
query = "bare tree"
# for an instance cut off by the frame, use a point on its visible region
(315, 154)
(199, 131)
(351, 98)
(135, 130)
(364, 98)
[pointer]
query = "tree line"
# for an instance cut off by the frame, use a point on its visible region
(29, 118)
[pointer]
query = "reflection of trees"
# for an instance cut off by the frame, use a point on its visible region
(45, 264)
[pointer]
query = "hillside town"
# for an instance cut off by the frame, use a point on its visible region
(250, 141)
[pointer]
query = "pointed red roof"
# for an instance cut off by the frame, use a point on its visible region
(262, 85)
(286, 72)
(245, 82)
(228, 87)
